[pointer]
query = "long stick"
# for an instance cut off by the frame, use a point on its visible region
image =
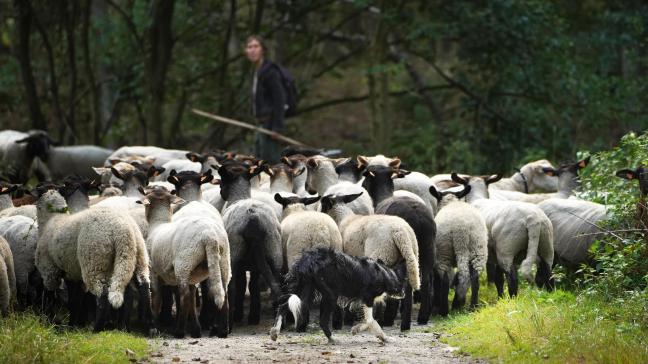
(241, 124)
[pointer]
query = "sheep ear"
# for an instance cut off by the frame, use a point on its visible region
(206, 177)
(269, 172)
(350, 198)
(362, 161)
(395, 163)
(177, 200)
(493, 178)
(583, 162)
(628, 174)
(400, 173)
(153, 171)
(312, 163)
(309, 200)
(194, 157)
(434, 192)
(549, 171)
(22, 141)
(114, 161)
(298, 172)
(286, 161)
(116, 173)
(141, 190)
(173, 178)
(144, 201)
(100, 170)
(463, 192)
(280, 200)
(456, 178)
(216, 181)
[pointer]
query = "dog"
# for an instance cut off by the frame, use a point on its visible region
(335, 275)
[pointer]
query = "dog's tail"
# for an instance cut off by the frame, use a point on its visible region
(292, 303)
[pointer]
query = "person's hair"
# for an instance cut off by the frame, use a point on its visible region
(259, 39)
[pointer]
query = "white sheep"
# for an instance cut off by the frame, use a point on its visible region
(7, 277)
(531, 178)
(7, 208)
(185, 250)
(514, 227)
(302, 230)
(384, 237)
(63, 161)
(22, 235)
(159, 155)
(99, 247)
(461, 242)
(323, 180)
(17, 153)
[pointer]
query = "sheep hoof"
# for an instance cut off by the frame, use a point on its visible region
(153, 332)
(332, 341)
(216, 331)
(274, 333)
(179, 335)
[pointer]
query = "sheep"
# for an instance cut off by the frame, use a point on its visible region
(414, 184)
(640, 174)
(185, 250)
(567, 175)
(100, 248)
(75, 190)
(17, 153)
(24, 210)
(160, 155)
(297, 162)
(302, 229)
(323, 180)
(7, 277)
(385, 237)
(461, 242)
(379, 181)
(529, 179)
(21, 233)
(255, 238)
(514, 227)
(574, 228)
(282, 177)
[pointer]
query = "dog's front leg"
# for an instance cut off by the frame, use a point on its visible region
(369, 324)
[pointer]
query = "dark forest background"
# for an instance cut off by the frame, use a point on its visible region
(477, 86)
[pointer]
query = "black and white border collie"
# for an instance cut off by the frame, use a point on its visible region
(335, 275)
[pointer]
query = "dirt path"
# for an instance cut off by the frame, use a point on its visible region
(253, 344)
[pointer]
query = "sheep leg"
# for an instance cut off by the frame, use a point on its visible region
(75, 302)
(220, 326)
(512, 280)
(207, 306)
(239, 296)
(183, 310)
(543, 276)
(349, 316)
(255, 299)
(406, 309)
(306, 296)
(425, 297)
(498, 278)
(338, 315)
(232, 292)
(264, 269)
(461, 288)
(144, 307)
(166, 295)
(326, 309)
(194, 324)
(103, 311)
(441, 291)
(474, 287)
(124, 312)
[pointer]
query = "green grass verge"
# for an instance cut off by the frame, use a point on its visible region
(27, 338)
(556, 327)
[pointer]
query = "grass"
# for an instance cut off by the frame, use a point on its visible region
(551, 327)
(27, 338)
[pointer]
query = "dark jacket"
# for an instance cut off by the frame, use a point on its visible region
(270, 99)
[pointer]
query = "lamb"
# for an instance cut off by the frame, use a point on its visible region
(255, 238)
(99, 247)
(21, 233)
(24, 210)
(529, 179)
(337, 275)
(567, 175)
(323, 180)
(514, 227)
(7, 277)
(385, 237)
(379, 181)
(185, 250)
(160, 155)
(461, 242)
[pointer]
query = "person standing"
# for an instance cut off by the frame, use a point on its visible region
(268, 99)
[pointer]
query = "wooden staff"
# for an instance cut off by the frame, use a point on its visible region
(241, 124)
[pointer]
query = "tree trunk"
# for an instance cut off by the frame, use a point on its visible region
(70, 15)
(23, 54)
(161, 38)
(95, 113)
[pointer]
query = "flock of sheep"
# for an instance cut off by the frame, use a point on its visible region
(171, 227)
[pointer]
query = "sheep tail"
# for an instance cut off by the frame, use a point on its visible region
(532, 251)
(5, 295)
(406, 247)
(216, 283)
(123, 269)
(142, 263)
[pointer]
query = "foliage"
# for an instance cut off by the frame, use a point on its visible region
(27, 338)
(622, 267)
(555, 327)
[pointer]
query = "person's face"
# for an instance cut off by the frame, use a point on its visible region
(253, 51)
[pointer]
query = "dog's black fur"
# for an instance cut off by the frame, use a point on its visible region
(336, 275)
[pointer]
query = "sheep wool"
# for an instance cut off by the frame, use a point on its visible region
(7, 277)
